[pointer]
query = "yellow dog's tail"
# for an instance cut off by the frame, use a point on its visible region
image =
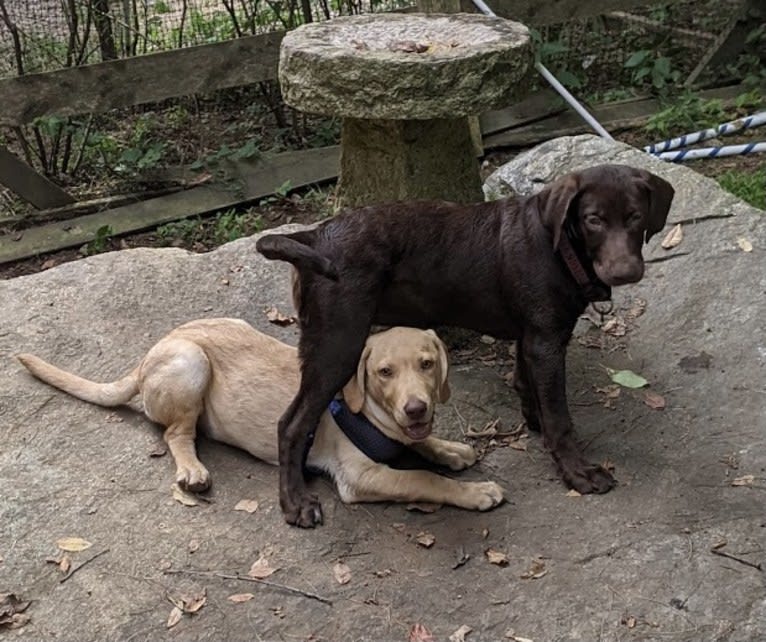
(115, 393)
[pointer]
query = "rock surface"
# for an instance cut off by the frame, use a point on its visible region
(396, 66)
(635, 564)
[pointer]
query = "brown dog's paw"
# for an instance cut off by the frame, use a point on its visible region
(305, 513)
(589, 478)
(482, 495)
(193, 478)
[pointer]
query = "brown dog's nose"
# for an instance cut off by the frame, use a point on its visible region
(415, 409)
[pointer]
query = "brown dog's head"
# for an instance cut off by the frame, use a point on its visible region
(402, 374)
(614, 210)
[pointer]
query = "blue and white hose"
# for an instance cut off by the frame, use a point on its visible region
(711, 152)
(725, 129)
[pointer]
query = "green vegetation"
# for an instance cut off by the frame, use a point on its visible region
(686, 113)
(750, 187)
(222, 228)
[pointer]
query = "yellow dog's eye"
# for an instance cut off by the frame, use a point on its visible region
(385, 371)
(426, 364)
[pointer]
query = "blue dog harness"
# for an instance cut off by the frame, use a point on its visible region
(370, 440)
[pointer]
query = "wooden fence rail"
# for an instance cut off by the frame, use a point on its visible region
(205, 68)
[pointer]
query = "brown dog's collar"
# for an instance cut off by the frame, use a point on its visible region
(593, 288)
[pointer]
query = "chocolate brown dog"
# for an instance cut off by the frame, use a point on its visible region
(519, 268)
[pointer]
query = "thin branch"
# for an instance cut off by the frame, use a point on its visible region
(77, 568)
(716, 551)
(83, 144)
(247, 578)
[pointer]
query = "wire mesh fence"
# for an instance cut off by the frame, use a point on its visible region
(44, 35)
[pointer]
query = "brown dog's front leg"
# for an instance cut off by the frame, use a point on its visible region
(545, 358)
(299, 507)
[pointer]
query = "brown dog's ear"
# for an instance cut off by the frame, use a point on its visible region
(353, 391)
(554, 202)
(444, 392)
(660, 198)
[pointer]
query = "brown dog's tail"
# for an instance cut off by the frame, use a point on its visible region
(116, 393)
(293, 249)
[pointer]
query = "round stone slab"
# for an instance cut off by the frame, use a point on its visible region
(404, 66)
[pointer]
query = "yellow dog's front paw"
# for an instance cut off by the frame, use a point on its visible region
(195, 478)
(483, 495)
(457, 456)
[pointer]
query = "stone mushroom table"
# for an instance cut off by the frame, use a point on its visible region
(403, 85)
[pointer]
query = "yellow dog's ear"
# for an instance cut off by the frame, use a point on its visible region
(444, 390)
(353, 391)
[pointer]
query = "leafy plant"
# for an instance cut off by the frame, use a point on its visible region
(688, 113)
(649, 66)
(101, 242)
(232, 225)
(750, 187)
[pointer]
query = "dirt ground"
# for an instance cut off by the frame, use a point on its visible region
(675, 552)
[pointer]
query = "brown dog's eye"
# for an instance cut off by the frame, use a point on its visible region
(635, 218)
(385, 372)
(592, 220)
(426, 364)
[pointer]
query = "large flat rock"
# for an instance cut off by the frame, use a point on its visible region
(635, 564)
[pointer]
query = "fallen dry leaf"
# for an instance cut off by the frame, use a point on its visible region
(459, 635)
(159, 451)
(174, 617)
(419, 633)
(610, 392)
(73, 544)
(247, 505)
(65, 563)
(654, 400)
(398, 526)
(608, 465)
(183, 497)
(384, 573)
(423, 507)
(238, 598)
(342, 573)
(496, 557)
(193, 603)
(615, 327)
(193, 546)
(511, 635)
(745, 245)
(673, 238)
(637, 308)
(535, 571)
(574, 493)
(261, 569)
(485, 533)
(12, 610)
(518, 445)
(425, 539)
(745, 480)
(719, 543)
(630, 622)
(277, 318)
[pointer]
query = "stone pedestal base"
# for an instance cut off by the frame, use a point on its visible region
(392, 160)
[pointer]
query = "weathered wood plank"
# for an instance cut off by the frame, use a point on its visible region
(34, 188)
(254, 181)
(538, 12)
(541, 104)
(615, 117)
(143, 79)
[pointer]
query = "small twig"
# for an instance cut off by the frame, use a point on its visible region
(247, 578)
(716, 551)
(77, 568)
